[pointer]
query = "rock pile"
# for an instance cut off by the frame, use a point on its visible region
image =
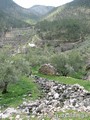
(58, 97)
(7, 113)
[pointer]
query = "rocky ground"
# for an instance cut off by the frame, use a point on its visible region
(57, 97)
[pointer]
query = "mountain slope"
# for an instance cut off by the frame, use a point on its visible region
(41, 10)
(67, 23)
(78, 9)
(7, 21)
(8, 6)
(13, 15)
(35, 12)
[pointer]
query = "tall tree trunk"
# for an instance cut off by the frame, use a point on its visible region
(5, 88)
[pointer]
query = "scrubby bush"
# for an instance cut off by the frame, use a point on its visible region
(71, 64)
(60, 63)
(76, 60)
(38, 56)
(22, 67)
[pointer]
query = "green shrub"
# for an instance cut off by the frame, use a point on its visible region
(38, 56)
(76, 60)
(60, 63)
(71, 64)
(22, 67)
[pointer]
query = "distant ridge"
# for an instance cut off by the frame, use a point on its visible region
(41, 10)
(13, 15)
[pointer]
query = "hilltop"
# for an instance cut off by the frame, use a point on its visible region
(41, 10)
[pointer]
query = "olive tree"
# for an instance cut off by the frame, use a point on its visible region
(7, 70)
(11, 69)
(7, 75)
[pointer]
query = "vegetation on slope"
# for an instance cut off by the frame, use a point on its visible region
(12, 15)
(77, 9)
(68, 23)
(65, 30)
(36, 57)
(24, 88)
(7, 21)
(70, 65)
(15, 83)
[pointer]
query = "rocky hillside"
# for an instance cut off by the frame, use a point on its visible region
(16, 37)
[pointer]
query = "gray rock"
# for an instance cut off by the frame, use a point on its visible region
(56, 95)
(40, 107)
(47, 69)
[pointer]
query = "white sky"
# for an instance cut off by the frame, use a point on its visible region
(30, 3)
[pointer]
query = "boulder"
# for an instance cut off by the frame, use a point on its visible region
(47, 69)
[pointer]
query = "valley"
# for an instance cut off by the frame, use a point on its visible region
(45, 61)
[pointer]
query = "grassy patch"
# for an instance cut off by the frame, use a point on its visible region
(68, 80)
(62, 79)
(19, 91)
